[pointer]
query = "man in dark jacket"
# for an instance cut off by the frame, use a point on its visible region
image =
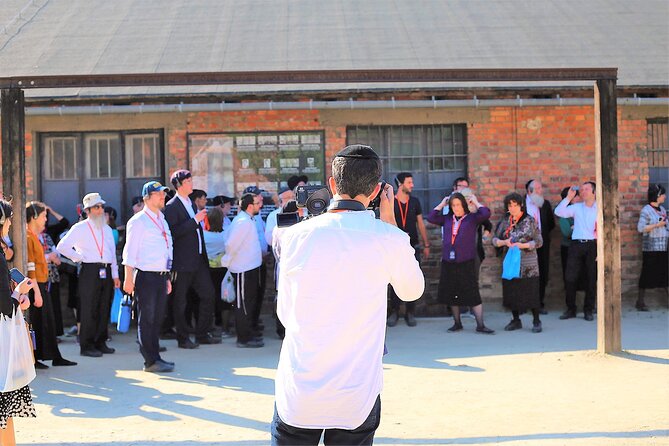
(542, 211)
(190, 267)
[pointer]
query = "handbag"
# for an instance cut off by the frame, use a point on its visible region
(124, 314)
(511, 264)
(17, 367)
(228, 288)
(115, 306)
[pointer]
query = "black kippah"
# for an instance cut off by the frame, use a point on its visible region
(357, 151)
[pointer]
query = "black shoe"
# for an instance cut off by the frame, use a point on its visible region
(392, 319)
(62, 362)
(641, 307)
(588, 316)
(410, 319)
(91, 353)
(536, 327)
(170, 363)
(159, 367)
(484, 330)
(454, 328)
(40, 365)
(226, 335)
(209, 339)
(253, 343)
(162, 349)
(106, 350)
(169, 334)
(569, 314)
(543, 311)
(188, 344)
(515, 324)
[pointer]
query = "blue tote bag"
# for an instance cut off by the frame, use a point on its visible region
(115, 306)
(124, 314)
(511, 265)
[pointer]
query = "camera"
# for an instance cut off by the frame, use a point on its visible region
(314, 198)
(376, 201)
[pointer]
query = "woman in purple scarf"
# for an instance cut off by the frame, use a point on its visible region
(458, 284)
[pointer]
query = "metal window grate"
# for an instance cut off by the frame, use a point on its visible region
(658, 143)
(60, 162)
(142, 158)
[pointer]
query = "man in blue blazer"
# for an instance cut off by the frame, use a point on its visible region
(190, 267)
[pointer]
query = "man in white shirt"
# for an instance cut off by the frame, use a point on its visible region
(243, 259)
(91, 242)
(541, 209)
(147, 257)
(583, 250)
(333, 281)
(264, 250)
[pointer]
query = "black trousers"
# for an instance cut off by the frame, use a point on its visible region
(262, 286)
(543, 257)
(582, 259)
(151, 297)
(395, 301)
(200, 282)
(246, 287)
(42, 321)
(95, 295)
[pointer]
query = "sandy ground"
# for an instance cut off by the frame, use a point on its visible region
(515, 388)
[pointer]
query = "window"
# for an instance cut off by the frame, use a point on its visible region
(142, 156)
(658, 143)
(60, 161)
(103, 156)
(434, 154)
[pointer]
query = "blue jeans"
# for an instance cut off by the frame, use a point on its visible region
(285, 435)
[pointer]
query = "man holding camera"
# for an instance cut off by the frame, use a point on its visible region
(332, 299)
(583, 250)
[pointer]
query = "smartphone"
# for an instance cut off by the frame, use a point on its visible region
(16, 275)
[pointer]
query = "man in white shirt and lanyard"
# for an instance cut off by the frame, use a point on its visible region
(243, 259)
(147, 257)
(91, 242)
(333, 281)
(583, 250)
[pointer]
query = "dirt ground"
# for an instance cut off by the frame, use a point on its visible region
(515, 388)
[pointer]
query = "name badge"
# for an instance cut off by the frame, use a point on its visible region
(169, 265)
(102, 273)
(451, 255)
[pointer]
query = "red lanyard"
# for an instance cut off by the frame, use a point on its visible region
(403, 212)
(161, 227)
(99, 247)
(455, 228)
(512, 224)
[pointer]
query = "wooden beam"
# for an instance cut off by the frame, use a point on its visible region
(12, 120)
(309, 77)
(608, 233)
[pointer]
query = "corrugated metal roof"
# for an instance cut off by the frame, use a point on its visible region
(137, 36)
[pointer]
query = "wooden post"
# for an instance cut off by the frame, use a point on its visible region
(12, 119)
(608, 230)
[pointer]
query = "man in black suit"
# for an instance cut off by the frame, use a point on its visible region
(542, 211)
(190, 267)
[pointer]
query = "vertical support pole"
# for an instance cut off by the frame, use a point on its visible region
(608, 233)
(14, 167)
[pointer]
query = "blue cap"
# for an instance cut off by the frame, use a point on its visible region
(255, 190)
(153, 186)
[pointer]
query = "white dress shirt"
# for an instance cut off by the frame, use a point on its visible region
(83, 242)
(146, 248)
(242, 250)
(332, 299)
(533, 210)
(188, 204)
(585, 219)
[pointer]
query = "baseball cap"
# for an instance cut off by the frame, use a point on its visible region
(153, 186)
(92, 199)
(283, 189)
(178, 176)
(255, 190)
